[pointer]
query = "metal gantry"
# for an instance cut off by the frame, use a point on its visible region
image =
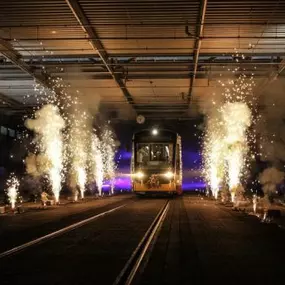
(10, 102)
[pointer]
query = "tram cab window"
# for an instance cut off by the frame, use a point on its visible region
(154, 153)
(143, 153)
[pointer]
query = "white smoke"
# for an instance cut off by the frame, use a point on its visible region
(271, 127)
(269, 179)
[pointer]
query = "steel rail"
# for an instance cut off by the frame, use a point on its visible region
(56, 233)
(129, 271)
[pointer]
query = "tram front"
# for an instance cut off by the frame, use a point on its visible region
(156, 162)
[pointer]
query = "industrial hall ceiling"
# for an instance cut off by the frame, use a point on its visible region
(158, 58)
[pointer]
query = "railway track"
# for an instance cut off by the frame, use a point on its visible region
(139, 255)
(54, 234)
(139, 248)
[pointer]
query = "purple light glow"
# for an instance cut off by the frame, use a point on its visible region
(194, 185)
(121, 183)
(124, 155)
(192, 180)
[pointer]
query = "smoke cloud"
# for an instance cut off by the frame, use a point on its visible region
(269, 179)
(271, 127)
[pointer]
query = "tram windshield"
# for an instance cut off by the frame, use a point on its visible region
(149, 154)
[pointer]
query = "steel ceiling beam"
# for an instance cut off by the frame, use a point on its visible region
(197, 45)
(275, 74)
(272, 76)
(146, 24)
(97, 45)
(147, 77)
(10, 101)
(8, 52)
(12, 55)
(147, 63)
(158, 38)
(159, 55)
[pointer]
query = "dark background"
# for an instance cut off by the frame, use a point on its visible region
(13, 149)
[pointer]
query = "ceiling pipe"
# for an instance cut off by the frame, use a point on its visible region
(197, 46)
(187, 31)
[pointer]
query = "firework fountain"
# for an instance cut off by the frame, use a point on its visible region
(73, 152)
(97, 169)
(108, 156)
(213, 153)
(225, 146)
(48, 125)
(12, 190)
(78, 149)
(237, 118)
(226, 139)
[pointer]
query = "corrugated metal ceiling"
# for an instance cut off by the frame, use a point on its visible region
(148, 45)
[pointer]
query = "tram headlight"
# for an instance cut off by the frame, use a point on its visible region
(139, 175)
(154, 132)
(169, 174)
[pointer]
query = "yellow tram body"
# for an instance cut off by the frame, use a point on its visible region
(156, 165)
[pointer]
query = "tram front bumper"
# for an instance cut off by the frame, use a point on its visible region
(169, 187)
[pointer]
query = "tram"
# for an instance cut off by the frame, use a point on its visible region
(156, 165)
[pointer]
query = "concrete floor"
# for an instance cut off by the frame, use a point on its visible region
(203, 243)
(199, 243)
